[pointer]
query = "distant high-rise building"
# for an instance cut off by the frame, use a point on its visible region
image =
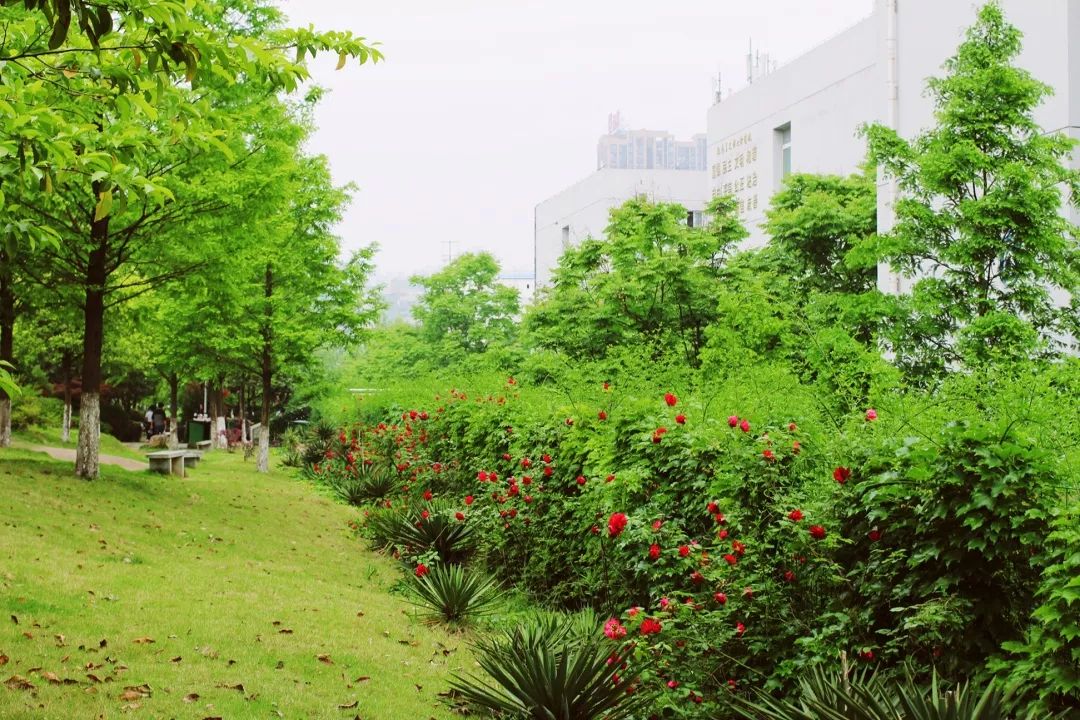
(623, 149)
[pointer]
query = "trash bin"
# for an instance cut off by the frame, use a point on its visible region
(196, 432)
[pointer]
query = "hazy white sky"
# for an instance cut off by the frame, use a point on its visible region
(483, 108)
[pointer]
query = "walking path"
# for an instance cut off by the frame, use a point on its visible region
(68, 454)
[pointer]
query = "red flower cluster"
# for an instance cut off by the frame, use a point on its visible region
(614, 629)
(650, 626)
(841, 474)
(601, 415)
(654, 551)
(817, 532)
(795, 515)
(670, 399)
(616, 524)
(680, 419)
(421, 570)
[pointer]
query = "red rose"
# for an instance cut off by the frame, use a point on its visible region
(722, 534)
(720, 598)
(421, 570)
(684, 550)
(616, 524)
(569, 422)
(650, 626)
(609, 478)
(768, 455)
(745, 426)
(614, 629)
(459, 515)
(739, 628)
(871, 415)
(427, 495)
(595, 529)
(730, 559)
(425, 514)
(817, 532)
(546, 458)
(670, 399)
(548, 471)
(697, 578)
(654, 551)
(733, 421)
(680, 419)
(526, 463)
(738, 547)
(482, 476)
(796, 515)
(792, 427)
(506, 456)
(713, 508)
(469, 499)
(657, 524)
(789, 576)
(601, 415)
(841, 474)
(874, 535)
(580, 479)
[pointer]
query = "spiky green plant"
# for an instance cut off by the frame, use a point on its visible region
(411, 533)
(454, 595)
(828, 696)
(547, 669)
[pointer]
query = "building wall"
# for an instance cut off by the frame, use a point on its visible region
(822, 96)
(582, 210)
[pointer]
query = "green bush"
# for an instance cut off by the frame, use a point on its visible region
(453, 595)
(34, 411)
(825, 696)
(410, 533)
(547, 668)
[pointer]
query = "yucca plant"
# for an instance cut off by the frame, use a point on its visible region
(377, 481)
(826, 696)
(547, 669)
(410, 532)
(453, 595)
(349, 489)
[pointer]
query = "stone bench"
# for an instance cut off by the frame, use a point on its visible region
(192, 458)
(168, 462)
(203, 444)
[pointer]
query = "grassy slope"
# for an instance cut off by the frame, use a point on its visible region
(206, 567)
(51, 438)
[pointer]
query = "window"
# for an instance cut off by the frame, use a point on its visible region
(695, 218)
(566, 237)
(783, 147)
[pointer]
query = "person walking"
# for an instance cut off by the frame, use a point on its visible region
(158, 420)
(148, 426)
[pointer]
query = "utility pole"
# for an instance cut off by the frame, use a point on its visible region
(449, 251)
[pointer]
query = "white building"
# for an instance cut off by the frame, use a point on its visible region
(524, 283)
(582, 210)
(805, 115)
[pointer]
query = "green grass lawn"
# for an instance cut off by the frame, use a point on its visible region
(51, 438)
(228, 594)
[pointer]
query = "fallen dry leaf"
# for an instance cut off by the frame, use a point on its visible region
(131, 706)
(350, 706)
(51, 677)
(362, 678)
(285, 631)
(28, 635)
(93, 678)
(60, 640)
(14, 619)
(191, 697)
(239, 687)
(175, 659)
(324, 658)
(143, 640)
(4, 659)
(18, 682)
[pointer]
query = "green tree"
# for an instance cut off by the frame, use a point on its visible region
(124, 150)
(816, 221)
(464, 308)
(978, 221)
(651, 280)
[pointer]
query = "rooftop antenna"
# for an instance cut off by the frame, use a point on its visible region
(449, 251)
(718, 93)
(750, 62)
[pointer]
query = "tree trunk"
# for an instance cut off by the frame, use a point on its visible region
(267, 338)
(86, 458)
(7, 337)
(243, 413)
(221, 430)
(65, 427)
(174, 422)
